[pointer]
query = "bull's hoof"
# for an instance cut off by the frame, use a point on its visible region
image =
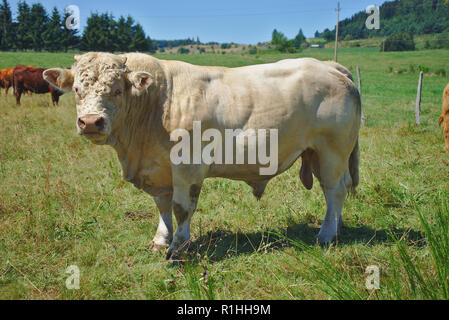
(173, 255)
(177, 253)
(325, 238)
(157, 247)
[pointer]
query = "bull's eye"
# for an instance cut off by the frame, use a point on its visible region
(118, 92)
(77, 91)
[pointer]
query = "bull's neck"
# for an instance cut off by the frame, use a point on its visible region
(140, 134)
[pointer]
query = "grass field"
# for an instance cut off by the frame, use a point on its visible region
(63, 202)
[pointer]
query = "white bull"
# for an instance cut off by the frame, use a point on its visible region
(136, 103)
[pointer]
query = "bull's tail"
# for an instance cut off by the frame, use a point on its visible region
(354, 160)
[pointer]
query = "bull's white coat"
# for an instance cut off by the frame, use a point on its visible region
(250, 147)
(314, 106)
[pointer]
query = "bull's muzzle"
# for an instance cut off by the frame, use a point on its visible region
(91, 124)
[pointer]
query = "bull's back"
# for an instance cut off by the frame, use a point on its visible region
(272, 95)
(295, 96)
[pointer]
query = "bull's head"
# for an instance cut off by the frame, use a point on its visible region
(103, 85)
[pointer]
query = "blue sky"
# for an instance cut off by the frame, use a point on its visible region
(238, 21)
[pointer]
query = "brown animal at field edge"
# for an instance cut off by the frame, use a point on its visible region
(6, 78)
(445, 116)
(31, 79)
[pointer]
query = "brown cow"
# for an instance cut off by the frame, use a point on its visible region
(6, 79)
(445, 116)
(6, 75)
(30, 79)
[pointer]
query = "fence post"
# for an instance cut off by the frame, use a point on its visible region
(418, 100)
(336, 33)
(360, 91)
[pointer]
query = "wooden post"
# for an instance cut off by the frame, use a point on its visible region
(336, 32)
(418, 100)
(360, 92)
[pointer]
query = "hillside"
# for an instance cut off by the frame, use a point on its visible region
(416, 16)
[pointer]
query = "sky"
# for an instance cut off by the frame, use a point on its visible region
(238, 21)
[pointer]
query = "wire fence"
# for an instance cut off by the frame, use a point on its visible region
(420, 97)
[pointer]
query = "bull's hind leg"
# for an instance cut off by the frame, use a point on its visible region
(164, 233)
(331, 168)
(335, 198)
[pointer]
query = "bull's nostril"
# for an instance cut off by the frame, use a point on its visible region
(100, 123)
(81, 123)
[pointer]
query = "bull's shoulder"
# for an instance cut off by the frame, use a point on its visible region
(191, 92)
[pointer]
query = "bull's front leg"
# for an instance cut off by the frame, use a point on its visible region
(187, 183)
(164, 233)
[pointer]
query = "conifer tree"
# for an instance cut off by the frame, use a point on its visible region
(53, 36)
(139, 41)
(6, 27)
(124, 36)
(299, 39)
(23, 38)
(38, 25)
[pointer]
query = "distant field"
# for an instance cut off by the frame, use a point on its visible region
(38, 59)
(376, 42)
(63, 202)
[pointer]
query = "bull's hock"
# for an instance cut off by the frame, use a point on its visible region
(167, 119)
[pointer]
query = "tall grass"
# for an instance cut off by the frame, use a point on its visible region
(424, 282)
(200, 283)
(408, 276)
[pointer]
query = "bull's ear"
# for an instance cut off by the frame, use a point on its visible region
(140, 80)
(59, 78)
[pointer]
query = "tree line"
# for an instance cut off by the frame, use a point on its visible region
(177, 43)
(35, 29)
(400, 16)
(283, 44)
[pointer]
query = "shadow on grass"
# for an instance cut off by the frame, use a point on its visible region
(219, 245)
